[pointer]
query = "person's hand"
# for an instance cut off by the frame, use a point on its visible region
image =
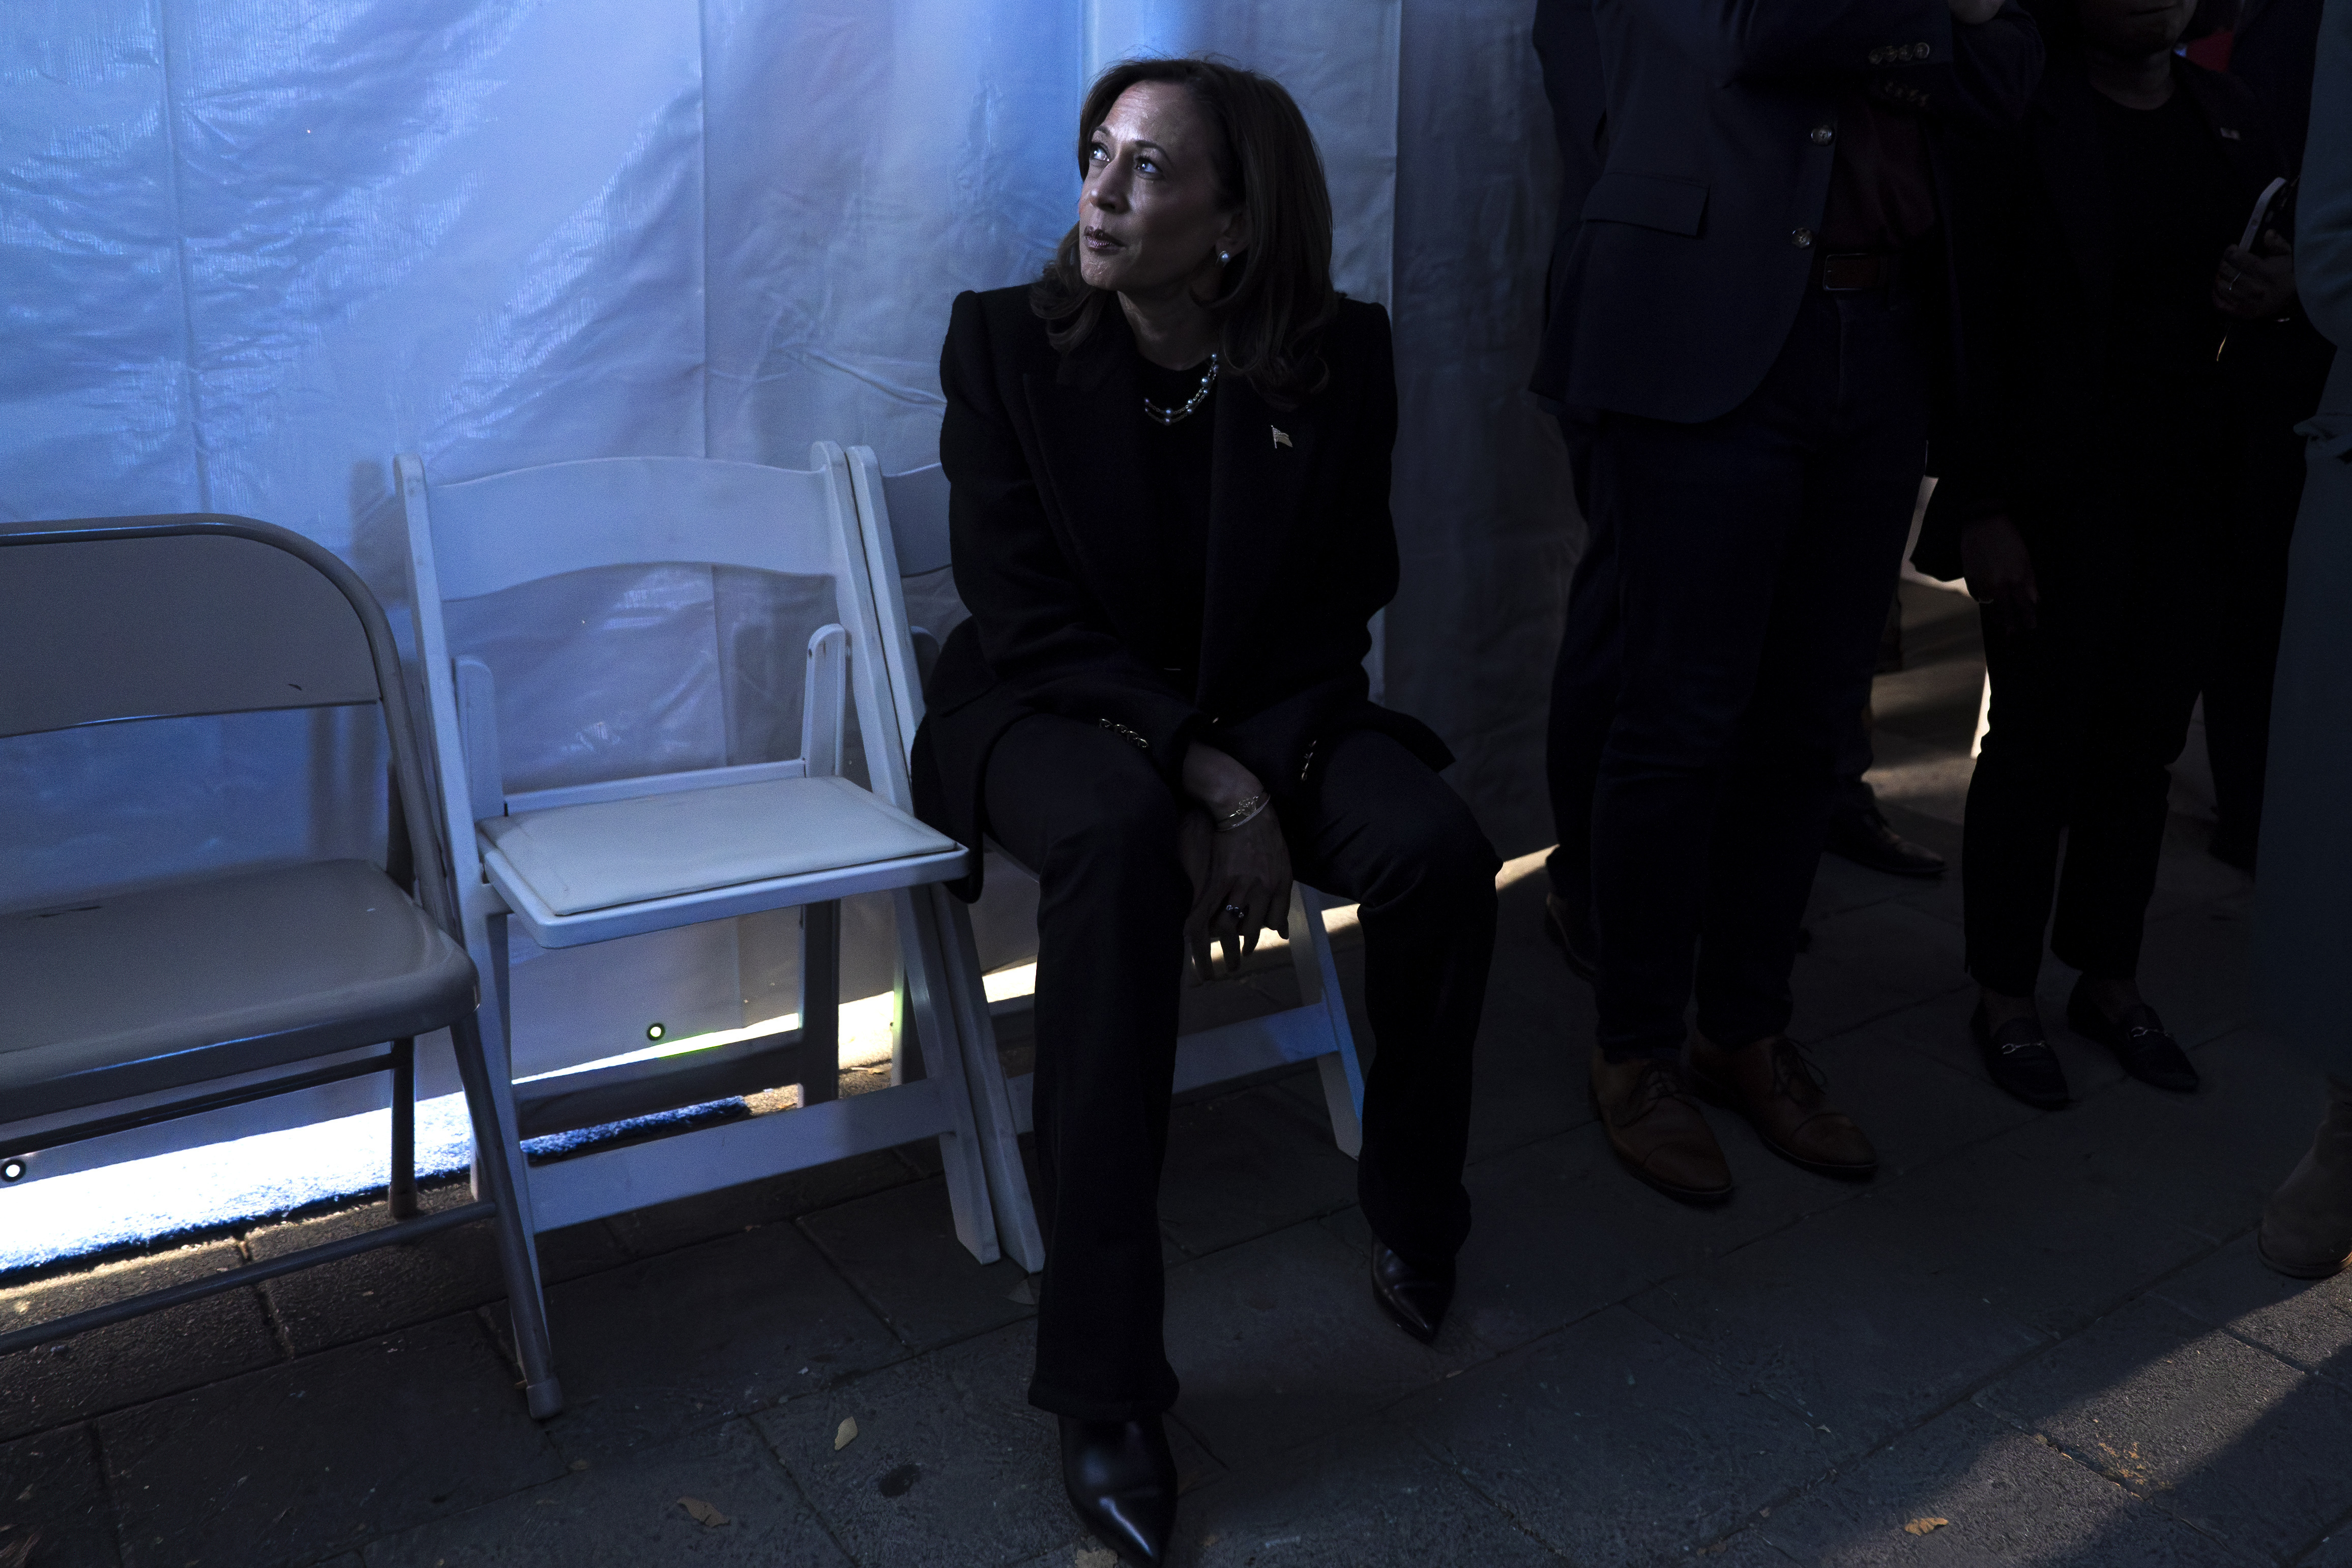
(2256, 287)
(2000, 571)
(1241, 879)
(1969, 13)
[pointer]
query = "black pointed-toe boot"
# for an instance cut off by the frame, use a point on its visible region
(1416, 1296)
(1122, 1480)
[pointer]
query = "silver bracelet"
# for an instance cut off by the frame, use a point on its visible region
(1241, 815)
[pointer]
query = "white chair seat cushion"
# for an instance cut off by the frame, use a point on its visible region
(614, 852)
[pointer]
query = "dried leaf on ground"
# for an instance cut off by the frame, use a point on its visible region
(845, 1434)
(1922, 1526)
(702, 1512)
(1095, 1557)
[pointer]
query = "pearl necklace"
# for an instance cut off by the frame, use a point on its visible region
(1171, 415)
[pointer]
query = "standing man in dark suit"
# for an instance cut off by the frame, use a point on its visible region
(1750, 309)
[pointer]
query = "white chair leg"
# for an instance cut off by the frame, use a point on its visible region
(501, 1168)
(1000, 1140)
(931, 1001)
(1319, 984)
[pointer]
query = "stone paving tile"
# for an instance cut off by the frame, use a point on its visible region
(1278, 1342)
(2332, 1551)
(1840, 885)
(1612, 1443)
(898, 1248)
(2211, 1429)
(1833, 1318)
(665, 1226)
(291, 1463)
(631, 1515)
(389, 1287)
(1915, 1108)
(1560, 1229)
(1866, 964)
(1532, 1072)
(2197, 970)
(128, 1363)
(52, 1494)
(2052, 1226)
(2002, 1495)
(2308, 1323)
(950, 1464)
(1367, 1497)
(1243, 1165)
(660, 1347)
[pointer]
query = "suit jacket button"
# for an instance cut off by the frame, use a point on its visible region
(1822, 135)
(1801, 238)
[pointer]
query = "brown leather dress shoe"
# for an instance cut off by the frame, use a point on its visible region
(2307, 1224)
(1770, 1083)
(1660, 1135)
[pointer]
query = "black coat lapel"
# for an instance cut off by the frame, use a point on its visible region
(1263, 460)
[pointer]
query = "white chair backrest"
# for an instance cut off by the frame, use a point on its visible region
(918, 519)
(481, 536)
(903, 519)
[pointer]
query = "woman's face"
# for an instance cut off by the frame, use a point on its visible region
(1150, 220)
(2134, 29)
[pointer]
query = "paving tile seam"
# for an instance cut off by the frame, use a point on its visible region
(888, 1325)
(824, 1520)
(1447, 1465)
(2324, 1536)
(2152, 1499)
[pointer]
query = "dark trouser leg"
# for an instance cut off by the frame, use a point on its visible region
(1380, 828)
(2246, 641)
(2019, 799)
(2135, 723)
(1087, 812)
(1755, 553)
(1583, 701)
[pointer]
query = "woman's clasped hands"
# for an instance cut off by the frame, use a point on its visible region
(1241, 873)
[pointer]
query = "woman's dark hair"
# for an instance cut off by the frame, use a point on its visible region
(1276, 292)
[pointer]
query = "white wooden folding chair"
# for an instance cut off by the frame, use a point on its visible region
(905, 520)
(596, 861)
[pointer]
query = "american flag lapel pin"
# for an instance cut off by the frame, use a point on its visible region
(1281, 436)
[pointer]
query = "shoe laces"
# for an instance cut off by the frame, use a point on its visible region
(1792, 1067)
(1661, 1080)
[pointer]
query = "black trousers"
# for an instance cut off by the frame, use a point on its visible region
(2089, 711)
(1089, 814)
(1754, 554)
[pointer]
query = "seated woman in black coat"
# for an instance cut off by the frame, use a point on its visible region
(2089, 502)
(1170, 466)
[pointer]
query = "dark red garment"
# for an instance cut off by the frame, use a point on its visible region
(1881, 197)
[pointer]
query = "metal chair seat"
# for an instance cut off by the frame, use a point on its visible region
(132, 994)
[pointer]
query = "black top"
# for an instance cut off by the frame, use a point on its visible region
(2172, 210)
(1176, 470)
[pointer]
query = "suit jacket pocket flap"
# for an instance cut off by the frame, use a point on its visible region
(1653, 201)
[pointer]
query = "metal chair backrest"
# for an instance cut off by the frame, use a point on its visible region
(105, 619)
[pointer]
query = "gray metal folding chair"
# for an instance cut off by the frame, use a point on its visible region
(127, 1009)
(904, 518)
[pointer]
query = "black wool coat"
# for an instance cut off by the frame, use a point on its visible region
(1055, 558)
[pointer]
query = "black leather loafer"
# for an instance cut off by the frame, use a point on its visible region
(1414, 1296)
(2139, 1039)
(1572, 936)
(2019, 1060)
(1122, 1480)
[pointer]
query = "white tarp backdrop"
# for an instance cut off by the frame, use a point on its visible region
(249, 249)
